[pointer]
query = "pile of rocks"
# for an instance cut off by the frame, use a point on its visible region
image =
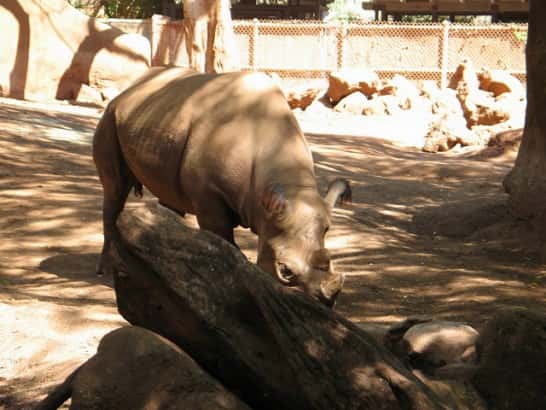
(472, 110)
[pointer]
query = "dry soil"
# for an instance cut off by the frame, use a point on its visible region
(427, 234)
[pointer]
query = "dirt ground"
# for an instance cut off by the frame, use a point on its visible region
(427, 234)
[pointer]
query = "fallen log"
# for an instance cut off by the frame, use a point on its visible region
(137, 369)
(274, 347)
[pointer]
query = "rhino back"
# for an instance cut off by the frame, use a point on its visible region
(152, 122)
(188, 137)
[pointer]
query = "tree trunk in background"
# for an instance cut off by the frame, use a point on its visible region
(210, 40)
(526, 183)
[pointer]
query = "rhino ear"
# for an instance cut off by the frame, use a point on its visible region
(274, 200)
(339, 189)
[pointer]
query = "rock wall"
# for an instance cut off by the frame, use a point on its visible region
(50, 50)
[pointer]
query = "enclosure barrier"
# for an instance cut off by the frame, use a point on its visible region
(296, 49)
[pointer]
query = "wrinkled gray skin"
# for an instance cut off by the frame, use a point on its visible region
(227, 149)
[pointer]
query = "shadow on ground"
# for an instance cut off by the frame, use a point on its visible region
(427, 234)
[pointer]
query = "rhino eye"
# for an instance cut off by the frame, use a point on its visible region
(286, 273)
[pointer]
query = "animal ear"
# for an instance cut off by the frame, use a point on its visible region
(274, 200)
(338, 189)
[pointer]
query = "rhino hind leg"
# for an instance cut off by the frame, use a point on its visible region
(116, 179)
(112, 205)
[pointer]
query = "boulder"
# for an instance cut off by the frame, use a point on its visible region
(430, 344)
(511, 137)
(480, 107)
(499, 82)
(447, 103)
(428, 89)
(343, 83)
(302, 97)
(438, 343)
(50, 50)
(383, 105)
(466, 73)
(138, 369)
(354, 103)
(512, 353)
(446, 132)
(274, 347)
(455, 392)
(496, 135)
(402, 88)
(320, 106)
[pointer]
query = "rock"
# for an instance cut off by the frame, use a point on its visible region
(354, 103)
(50, 50)
(429, 89)
(510, 137)
(512, 353)
(499, 82)
(405, 92)
(480, 108)
(447, 103)
(487, 134)
(343, 83)
(401, 87)
(437, 343)
(383, 105)
(446, 132)
(430, 344)
(276, 348)
(302, 97)
(422, 105)
(320, 106)
(138, 369)
(466, 73)
(515, 106)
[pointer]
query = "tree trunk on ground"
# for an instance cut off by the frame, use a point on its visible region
(526, 183)
(274, 347)
(138, 369)
(210, 40)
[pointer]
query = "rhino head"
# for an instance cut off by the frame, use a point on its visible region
(291, 244)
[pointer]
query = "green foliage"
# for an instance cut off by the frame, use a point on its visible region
(121, 8)
(521, 35)
(345, 10)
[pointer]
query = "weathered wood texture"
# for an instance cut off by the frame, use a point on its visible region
(526, 183)
(274, 347)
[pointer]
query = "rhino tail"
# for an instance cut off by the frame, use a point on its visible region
(137, 186)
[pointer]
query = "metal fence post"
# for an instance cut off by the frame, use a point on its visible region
(445, 54)
(341, 34)
(252, 45)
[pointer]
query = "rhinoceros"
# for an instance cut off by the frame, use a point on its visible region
(226, 148)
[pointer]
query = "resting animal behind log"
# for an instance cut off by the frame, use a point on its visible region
(228, 149)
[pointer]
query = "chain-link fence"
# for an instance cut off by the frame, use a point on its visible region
(311, 49)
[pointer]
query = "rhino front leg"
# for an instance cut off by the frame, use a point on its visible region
(217, 218)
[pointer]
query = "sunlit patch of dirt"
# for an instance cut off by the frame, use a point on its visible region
(427, 234)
